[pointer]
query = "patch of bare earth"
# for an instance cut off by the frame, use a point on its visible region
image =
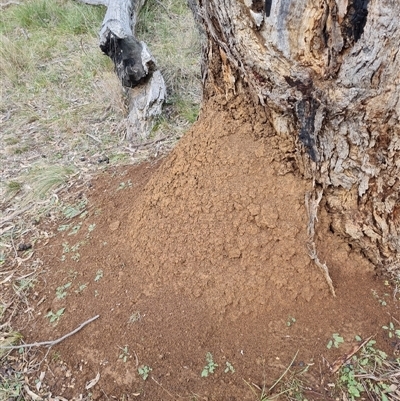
(202, 252)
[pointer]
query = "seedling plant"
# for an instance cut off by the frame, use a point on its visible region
(392, 331)
(144, 371)
(229, 368)
(210, 367)
(372, 372)
(335, 341)
(124, 355)
(61, 292)
(55, 317)
(99, 275)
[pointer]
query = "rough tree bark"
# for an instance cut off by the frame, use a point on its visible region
(328, 74)
(134, 64)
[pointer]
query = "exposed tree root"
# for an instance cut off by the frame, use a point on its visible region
(312, 200)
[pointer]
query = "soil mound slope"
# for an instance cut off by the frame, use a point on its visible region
(206, 254)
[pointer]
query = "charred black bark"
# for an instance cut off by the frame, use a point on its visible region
(127, 57)
(268, 5)
(306, 110)
(354, 22)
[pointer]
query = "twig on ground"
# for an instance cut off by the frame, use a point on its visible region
(51, 343)
(7, 278)
(136, 359)
(140, 145)
(164, 389)
(9, 3)
(94, 138)
(15, 214)
(343, 359)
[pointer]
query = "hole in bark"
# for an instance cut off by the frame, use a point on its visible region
(354, 22)
(268, 5)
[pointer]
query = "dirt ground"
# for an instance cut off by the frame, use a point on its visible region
(201, 252)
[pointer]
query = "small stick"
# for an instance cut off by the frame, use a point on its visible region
(94, 138)
(51, 343)
(147, 143)
(10, 3)
(342, 360)
(15, 214)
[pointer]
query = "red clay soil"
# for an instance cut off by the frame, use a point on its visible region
(202, 252)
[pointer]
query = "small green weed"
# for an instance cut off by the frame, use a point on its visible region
(24, 285)
(392, 331)
(91, 227)
(347, 379)
(75, 229)
(81, 288)
(55, 317)
(72, 211)
(63, 227)
(229, 368)
(210, 367)
(372, 372)
(65, 247)
(11, 388)
(14, 186)
(335, 341)
(144, 371)
(72, 274)
(61, 292)
(291, 321)
(75, 247)
(124, 355)
(381, 300)
(135, 317)
(99, 275)
(124, 185)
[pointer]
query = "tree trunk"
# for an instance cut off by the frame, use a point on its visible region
(134, 64)
(328, 74)
(133, 61)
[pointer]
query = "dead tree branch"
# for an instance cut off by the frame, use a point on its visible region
(54, 342)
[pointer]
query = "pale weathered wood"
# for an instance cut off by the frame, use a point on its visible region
(328, 73)
(132, 59)
(95, 2)
(134, 64)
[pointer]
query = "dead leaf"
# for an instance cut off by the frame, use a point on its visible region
(93, 382)
(31, 394)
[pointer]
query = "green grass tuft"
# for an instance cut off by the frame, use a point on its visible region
(172, 36)
(45, 178)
